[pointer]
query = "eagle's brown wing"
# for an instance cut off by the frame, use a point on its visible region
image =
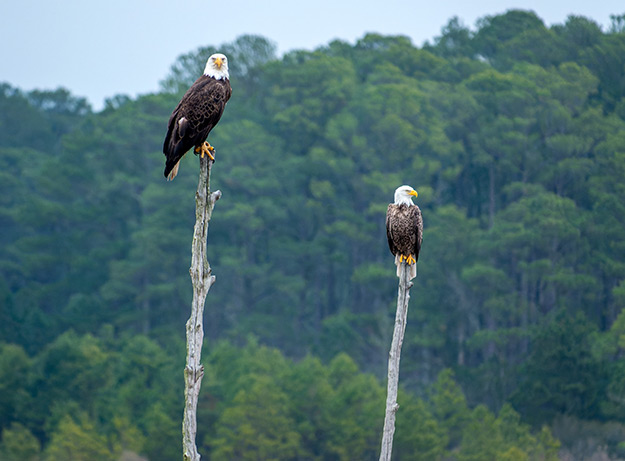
(417, 219)
(391, 212)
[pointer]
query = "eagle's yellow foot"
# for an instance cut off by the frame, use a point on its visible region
(410, 260)
(207, 149)
(401, 258)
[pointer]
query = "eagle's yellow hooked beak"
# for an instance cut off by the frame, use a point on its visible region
(218, 62)
(413, 192)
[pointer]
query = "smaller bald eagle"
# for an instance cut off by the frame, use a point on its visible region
(197, 114)
(404, 229)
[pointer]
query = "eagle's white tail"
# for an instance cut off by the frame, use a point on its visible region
(174, 172)
(413, 268)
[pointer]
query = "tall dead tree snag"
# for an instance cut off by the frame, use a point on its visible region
(401, 316)
(202, 281)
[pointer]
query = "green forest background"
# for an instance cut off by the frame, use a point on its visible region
(514, 136)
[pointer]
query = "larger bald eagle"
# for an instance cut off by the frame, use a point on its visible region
(404, 229)
(197, 114)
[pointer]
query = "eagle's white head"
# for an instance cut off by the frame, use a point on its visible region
(403, 195)
(217, 67)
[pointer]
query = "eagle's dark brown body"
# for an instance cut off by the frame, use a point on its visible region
(404, 230)
(193, 119)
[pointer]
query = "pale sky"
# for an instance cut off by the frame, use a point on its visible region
(98, 49)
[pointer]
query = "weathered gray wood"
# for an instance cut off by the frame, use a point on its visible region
(401, 316)
(202, 281)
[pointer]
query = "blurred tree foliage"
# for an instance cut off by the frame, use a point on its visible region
(255, 404)
(514, 135)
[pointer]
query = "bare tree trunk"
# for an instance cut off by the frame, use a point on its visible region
(403, 296)
(202, 281)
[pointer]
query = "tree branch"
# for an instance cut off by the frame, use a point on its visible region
(202, 281)
(401, 316)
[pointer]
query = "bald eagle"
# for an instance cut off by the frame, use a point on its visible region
(197, 113)
(404, 229)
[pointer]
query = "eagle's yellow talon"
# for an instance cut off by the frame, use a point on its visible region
(207, 149)
(410, 260)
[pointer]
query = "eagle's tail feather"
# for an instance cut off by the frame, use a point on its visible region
(413, 268)
(174, 155)
(174, 171)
